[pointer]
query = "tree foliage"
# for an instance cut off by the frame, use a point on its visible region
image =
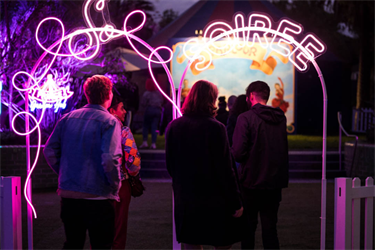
(327, 19)
(167, 17)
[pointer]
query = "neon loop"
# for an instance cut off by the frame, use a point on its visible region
(36, 157)
(153, 77)
(93, 38)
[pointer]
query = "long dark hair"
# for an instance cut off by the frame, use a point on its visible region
(201, 99)
(239, 106)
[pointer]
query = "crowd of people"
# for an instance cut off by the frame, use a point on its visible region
(215, 202)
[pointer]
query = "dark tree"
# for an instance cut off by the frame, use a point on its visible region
(168, 16)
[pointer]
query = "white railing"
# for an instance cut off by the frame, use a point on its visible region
(10, 212)
(362, 120)
(348, 194)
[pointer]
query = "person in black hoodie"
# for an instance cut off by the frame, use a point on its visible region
(260, 145)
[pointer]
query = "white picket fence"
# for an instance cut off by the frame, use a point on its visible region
(10, 213)
(362, 120)
(348, 194)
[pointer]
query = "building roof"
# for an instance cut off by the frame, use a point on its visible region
(205, 11)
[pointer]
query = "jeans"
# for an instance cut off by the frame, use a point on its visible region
(266, 203)
(121, 215)
(96, 216)
(150, 121)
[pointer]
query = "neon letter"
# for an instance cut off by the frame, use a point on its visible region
(286, 28)
(313, 47)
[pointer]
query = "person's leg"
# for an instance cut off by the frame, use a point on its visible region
(251, 215)
(192, 247)
(101, 223)
(146, 127)
(156, 112)
(121, 216)
(74, 224)
(268, 217)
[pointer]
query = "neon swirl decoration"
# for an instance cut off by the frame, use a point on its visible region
(96, 36)
(258, 29)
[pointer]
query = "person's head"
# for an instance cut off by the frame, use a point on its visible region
(117, 108)
(150, 85)
(277, 86)
(231, 101)
(98, 90)
(201, 99)
(257, 92)
(222, 103)
(239, 106)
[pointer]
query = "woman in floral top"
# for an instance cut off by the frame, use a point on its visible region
(131, 166)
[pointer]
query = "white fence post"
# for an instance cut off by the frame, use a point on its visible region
(369, 215)
(11, 213)
(348, 196)
(343, 210)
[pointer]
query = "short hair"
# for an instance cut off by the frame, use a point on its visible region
(201, 99)
(116, 100)
(231, 100)
(97, 89)
(260, 88)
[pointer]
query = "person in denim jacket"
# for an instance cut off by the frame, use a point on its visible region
(131, 166)
(85, 151)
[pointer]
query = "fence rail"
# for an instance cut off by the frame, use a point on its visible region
(348, 194)
(363, 120)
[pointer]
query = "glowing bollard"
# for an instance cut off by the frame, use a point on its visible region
(11, 213)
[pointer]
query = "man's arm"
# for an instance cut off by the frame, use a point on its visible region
(112, 153)
(241, 147)
(52, 149)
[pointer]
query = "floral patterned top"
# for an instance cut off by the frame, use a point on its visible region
(131, 154)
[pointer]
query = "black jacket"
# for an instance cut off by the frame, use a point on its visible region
(206, 193)
(260, 144)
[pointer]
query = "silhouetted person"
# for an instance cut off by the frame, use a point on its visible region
(260, 145)
(222, 113)
(206, 195)
(240, 106)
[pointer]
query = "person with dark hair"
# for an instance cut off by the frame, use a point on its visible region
(260, 145)
(152, 100)
(222, 113)
(85, 151)
(207, 201)
(131, 164)
(231, 100)
(240, 106)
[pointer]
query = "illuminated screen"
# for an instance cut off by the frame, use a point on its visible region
(233, 72)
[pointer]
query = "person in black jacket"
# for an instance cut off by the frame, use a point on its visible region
(260, 145)
(207, 202)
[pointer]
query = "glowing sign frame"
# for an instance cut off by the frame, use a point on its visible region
(305, 51)
(259, 26)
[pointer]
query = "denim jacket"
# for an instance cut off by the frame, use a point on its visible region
(85, 151)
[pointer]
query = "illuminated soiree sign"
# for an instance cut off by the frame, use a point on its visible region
(260, 30)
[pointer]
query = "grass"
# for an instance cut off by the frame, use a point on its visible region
(296, 142)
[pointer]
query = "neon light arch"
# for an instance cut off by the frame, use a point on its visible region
(305, 51)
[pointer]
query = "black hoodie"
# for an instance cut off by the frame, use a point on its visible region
(260, 144)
